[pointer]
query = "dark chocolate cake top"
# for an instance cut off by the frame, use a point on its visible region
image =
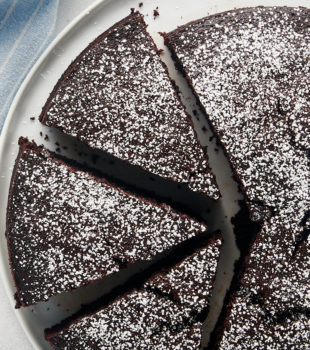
(153, 317)
(67, 227)
(249, 69)
(191, 281)
(117, 97)
(278, 268)
(251, 327)
(188, 338)
(135, 321)
(271, 307)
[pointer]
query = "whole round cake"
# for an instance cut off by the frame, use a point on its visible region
(68, 226)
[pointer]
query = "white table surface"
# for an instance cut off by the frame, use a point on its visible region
(12, 336)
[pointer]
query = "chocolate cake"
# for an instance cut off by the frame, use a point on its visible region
(67, 228)
(250, 326)
(278, 268)
(164, 313)
(117, 97)
(249, 70)
(269, 308)
(244, 66)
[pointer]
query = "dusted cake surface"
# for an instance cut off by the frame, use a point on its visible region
(67, 228)
(278, 267)
(138, 320)
(151, 317)
(251, 327)
(186, 282)
(117, 97)
(249, 69)
(270, 309)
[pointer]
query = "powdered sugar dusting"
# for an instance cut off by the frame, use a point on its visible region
(276, 270)
(191, 282)
(130, 322)
(250, 70)
(252, 328)
(118, 98)
(244, 73)
(187, 338)
(161, 315)
(67, 228)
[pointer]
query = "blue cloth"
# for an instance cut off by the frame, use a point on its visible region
(26, 28)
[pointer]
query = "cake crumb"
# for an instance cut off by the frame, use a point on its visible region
(140, 4)
(41, 134)
(156, 13)
(46, 138)
(195, 113)
(32, 118)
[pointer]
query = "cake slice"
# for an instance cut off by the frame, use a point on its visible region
(249, 69)
(67, 228)
(117, 97)
(166, 312)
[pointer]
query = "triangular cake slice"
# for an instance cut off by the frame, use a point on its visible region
(117, 97)
(249, 69)
(164, 313)
(67, 228)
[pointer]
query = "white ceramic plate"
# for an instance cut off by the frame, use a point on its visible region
(31, 98)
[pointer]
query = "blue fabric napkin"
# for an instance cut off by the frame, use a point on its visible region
(26, 28)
